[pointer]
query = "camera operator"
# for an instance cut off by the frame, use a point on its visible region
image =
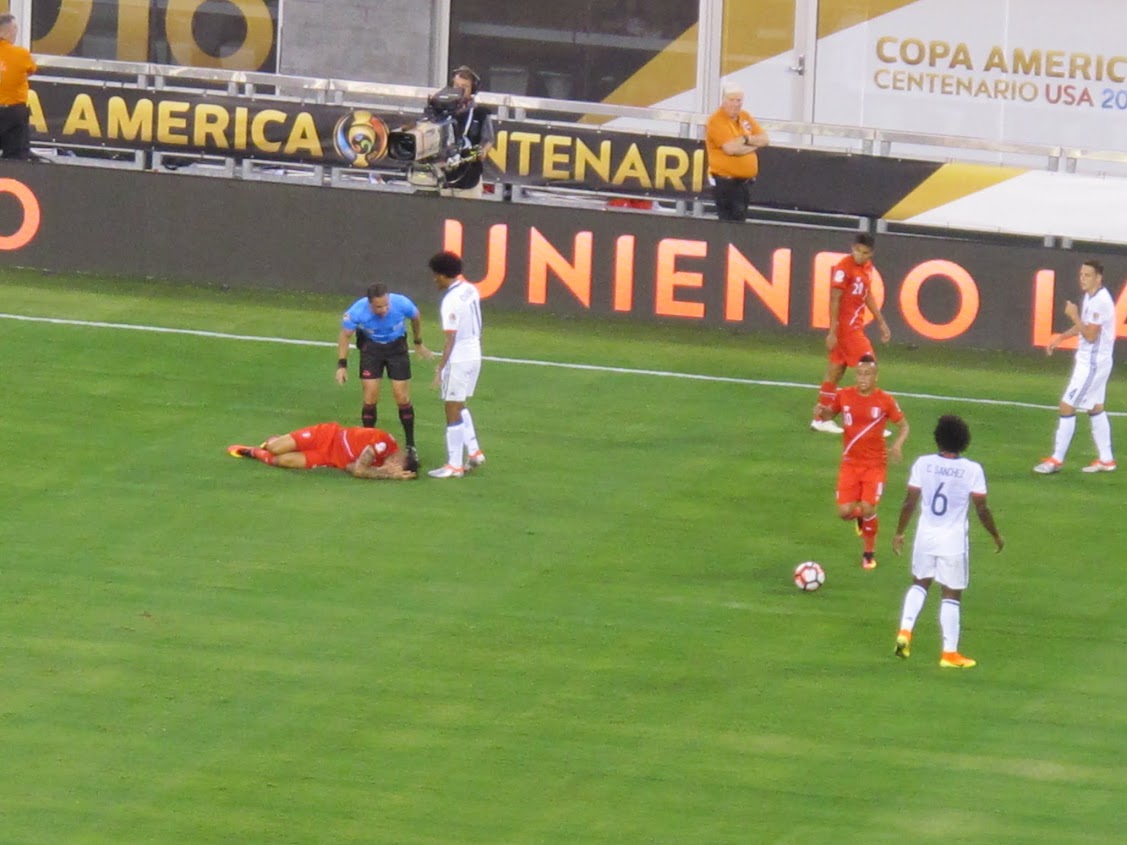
(475, 126)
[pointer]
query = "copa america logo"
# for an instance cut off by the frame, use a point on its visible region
(360, 138)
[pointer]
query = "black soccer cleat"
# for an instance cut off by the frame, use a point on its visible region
(412, 462)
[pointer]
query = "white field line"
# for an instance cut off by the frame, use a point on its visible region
(523, 361)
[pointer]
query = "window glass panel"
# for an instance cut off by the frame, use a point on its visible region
(624, 51)
(230, 34)
(754, 32)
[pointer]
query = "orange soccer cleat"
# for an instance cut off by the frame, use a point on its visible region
(954, 660)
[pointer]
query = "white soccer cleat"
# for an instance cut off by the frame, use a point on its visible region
(447, 471)
(826, 427)
(1100, 466)
(475, 460)
(1048, 466)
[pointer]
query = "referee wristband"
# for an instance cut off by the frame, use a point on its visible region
(342, 362)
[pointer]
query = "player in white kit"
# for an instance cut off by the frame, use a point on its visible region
(460, 364)
(947, 484)
(1094, 322)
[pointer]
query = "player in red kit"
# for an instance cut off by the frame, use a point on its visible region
(850, 296)
(362, 452)
(864, 410)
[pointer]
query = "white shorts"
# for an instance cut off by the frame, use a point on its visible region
(949, 570)
(459, 380)
(1087, 387)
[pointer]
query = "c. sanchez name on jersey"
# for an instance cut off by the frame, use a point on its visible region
(946, 486)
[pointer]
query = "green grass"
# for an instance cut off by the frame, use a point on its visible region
(592, 640)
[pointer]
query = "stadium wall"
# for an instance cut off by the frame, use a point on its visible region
(359, 39)
(642, 268)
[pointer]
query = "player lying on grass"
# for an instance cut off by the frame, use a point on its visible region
(363, 452)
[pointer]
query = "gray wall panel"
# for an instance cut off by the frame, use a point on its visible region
(385, 41)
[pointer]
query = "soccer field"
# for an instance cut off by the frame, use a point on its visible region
(593, 639)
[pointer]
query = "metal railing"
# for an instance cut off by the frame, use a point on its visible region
(406, 99)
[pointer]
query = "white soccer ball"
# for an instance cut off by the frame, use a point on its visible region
(809, 576)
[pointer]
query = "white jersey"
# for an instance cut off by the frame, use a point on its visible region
(461, 313)
(945, 486)
(1099, 309)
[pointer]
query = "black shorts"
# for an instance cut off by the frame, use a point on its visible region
(376, 357)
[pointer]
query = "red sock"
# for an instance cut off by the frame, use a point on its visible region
(869, 526)
(264, 455)
(826, 393)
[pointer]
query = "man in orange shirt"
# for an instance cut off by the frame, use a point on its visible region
(732, 140)
(16, 65)
(865, 409)
(361, 452)
(846, 341)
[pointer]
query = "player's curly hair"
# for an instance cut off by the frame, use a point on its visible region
(447, 264)
(952, 434)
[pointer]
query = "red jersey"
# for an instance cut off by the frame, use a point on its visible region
(863, 418)
(854, 281)
(332, 445)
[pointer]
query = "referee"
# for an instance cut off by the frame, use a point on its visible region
(379, 321)
(16, 65)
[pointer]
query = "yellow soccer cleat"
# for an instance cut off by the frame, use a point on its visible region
(904, 644)
(954, 660)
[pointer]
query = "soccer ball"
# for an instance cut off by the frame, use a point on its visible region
(809, 576)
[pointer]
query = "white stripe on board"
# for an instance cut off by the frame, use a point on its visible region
(525, 361)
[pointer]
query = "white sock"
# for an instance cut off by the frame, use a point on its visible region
(913, 603)
(949, 624)
(472, 446)
(454, 444)
(1066, 426)
(1101, 433)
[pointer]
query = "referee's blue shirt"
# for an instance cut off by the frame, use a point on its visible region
(385, 329)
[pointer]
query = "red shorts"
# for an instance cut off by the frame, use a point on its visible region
(860, 483)
(851, 347)
(317, 443)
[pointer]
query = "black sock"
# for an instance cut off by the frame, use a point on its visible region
(407, 417)
(368, 416)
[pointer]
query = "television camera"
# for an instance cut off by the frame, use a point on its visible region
(436, 143)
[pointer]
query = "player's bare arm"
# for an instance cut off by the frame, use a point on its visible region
(874, 308)
(343, 340)
(1057, 339)
(896, 449)
(835, 306)
(447, 350)
(1089, 331)
(417, 334)
(825, 412)
(907, 511)
(392, 470)
(986, 517)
